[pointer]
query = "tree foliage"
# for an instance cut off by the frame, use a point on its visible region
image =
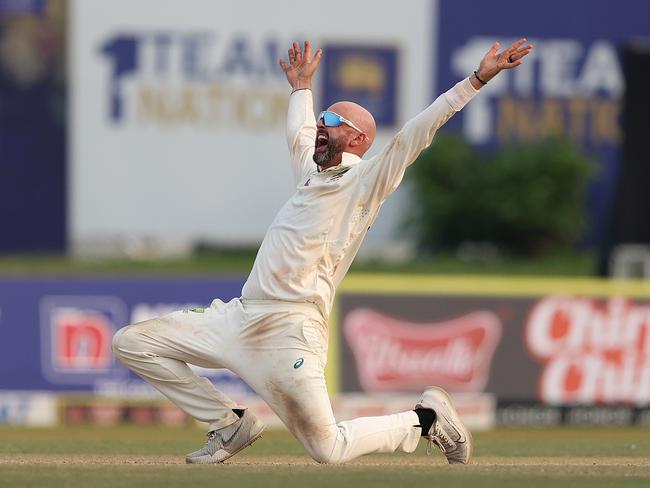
(527, 199)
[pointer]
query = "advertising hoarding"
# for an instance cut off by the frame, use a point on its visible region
(55, 333)
(180, 108)
(545, 350)
(555, 342)
(187, 99)
(57, 365)
(570, 85)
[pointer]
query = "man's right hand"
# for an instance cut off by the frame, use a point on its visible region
(301, 66)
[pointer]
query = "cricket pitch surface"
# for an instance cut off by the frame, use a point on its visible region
(154, 456)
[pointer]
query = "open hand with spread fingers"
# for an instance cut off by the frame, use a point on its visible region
(301, 66)
(494, 62)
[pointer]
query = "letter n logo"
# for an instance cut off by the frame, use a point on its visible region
(82, 340)
(76, 335)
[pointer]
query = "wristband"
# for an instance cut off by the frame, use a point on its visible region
(479, 80)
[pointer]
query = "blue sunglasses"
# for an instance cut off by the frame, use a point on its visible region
(332, 119)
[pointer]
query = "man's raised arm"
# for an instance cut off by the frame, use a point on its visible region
(301, 123)
(387, 168)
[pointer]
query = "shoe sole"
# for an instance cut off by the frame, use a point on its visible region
(244, 446)
(456, 419)
(250, 443)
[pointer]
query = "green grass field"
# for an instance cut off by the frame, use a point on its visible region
(239, 263)
(154, 456)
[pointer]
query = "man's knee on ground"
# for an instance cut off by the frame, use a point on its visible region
(324, 452)
(323, 456)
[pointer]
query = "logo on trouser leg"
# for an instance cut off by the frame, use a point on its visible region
(298, 363)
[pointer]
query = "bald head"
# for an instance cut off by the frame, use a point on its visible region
(360, 117)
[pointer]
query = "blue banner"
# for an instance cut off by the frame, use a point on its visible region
(21, 7)
(32, 127)
(366, 75)
(55, 333)
(570, 85)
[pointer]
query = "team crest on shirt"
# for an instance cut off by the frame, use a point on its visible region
(337, 176)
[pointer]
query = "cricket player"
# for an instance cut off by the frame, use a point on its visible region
(275, 335)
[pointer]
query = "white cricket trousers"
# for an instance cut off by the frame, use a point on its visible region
(279, 349)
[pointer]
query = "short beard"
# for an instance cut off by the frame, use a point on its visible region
(333, 149)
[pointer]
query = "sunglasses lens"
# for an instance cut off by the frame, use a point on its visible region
(330, 119)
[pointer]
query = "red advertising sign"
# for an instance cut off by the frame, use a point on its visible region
(81, 339)
(394, 354)
(592, 351)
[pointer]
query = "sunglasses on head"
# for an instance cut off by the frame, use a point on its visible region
(332, 119)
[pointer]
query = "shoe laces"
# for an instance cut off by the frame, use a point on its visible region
(211, 436)
(440, 439)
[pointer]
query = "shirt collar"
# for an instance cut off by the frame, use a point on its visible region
(347, 160)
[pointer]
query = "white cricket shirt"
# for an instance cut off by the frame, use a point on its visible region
(315, 236)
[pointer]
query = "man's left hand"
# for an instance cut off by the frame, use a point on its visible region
(494, 62)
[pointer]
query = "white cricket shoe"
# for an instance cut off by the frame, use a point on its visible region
(447, 432)
(225, 443)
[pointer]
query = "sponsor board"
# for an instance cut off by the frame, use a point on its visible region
(108, 411)
(535, 414)
(396, 354)
(408, 342)
(56, 334)
(571, 85)
(192, 93)
(477, 411)
(557, 342)
(592, 351)
(31, 408)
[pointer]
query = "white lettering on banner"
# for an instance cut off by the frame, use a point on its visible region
(592, 352)
(397, 355)
(558, 67)
(602, 70)
(565, 86)
(452, 358)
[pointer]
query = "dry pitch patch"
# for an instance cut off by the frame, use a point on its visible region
(287, 471)
(629, 466)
